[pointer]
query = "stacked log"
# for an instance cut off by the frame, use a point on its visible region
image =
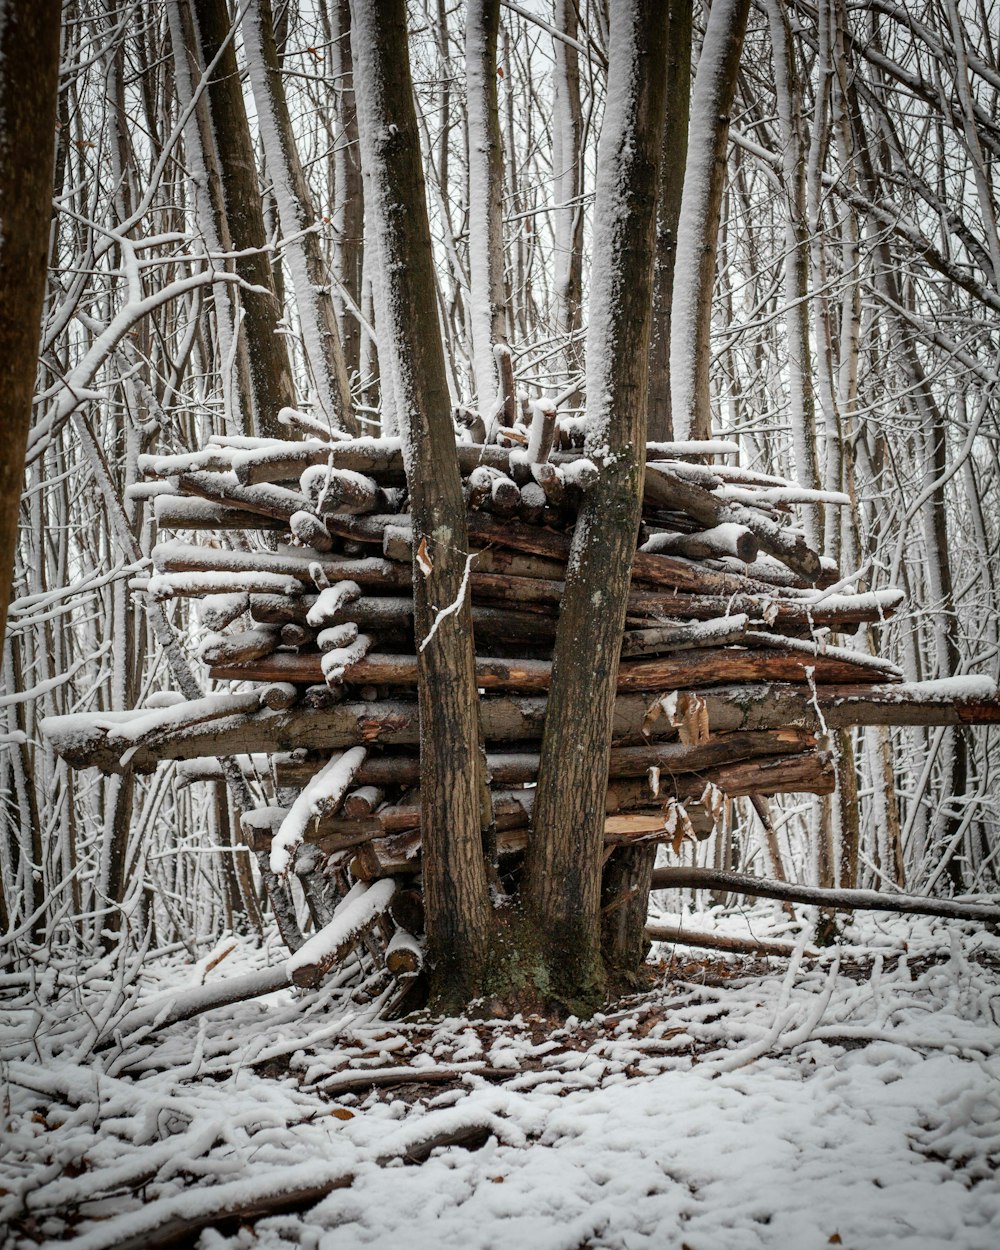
(728, 678)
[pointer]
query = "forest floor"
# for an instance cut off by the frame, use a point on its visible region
(847, 1100)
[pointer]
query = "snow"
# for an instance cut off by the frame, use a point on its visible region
(355, 912)
(693, 447)
(947, 689)
(322, 795)
(330, 600)
(336, 662)
(738, 1104)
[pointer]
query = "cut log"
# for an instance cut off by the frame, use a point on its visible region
(83, 740)
(320, 798)
(667, 490)
(218, 611)
(310, 531)
(190, 512)
(184, 558)
(362, 802)
(404, 956)
(721, 540)
(354, 916)
(332, 491)
(240, 648)
(379, 458)
(676, 636)
(276, 502)
(510, 768)
(200, 585)
(810, 772)
(688, 670)
(658, 570)
(399, 855)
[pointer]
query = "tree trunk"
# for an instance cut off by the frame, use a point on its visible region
(672, 163)
(451, 766)
(350, 209)
(270, 371)
(567, 185)
(563, 892)
(486, 255)
(297, 217)
(29, 66)
(698, 226)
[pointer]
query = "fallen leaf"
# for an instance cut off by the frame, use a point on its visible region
(423, 559)
(341, 1113)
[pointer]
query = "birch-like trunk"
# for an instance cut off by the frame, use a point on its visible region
(567, 185)
(698, 225)
(349, 208)
(210, 217)
(488, 298)
(796, 289)
(324, 352)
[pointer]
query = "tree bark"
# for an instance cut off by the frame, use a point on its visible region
(486, 254)
(320, 333)
(29, 67)
(698, 226)
(451, 765)
(349, 218)
(270, 371)
(672, 163)
(563, 892)
(567, 185)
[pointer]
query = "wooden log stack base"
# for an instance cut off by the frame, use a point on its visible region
(733, 664)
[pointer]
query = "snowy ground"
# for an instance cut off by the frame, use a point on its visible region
(852, 1100)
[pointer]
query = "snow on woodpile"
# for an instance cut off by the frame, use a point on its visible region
(742, 649)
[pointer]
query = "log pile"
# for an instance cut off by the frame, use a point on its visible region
(300, 554)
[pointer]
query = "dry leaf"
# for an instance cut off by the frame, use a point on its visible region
(341, 1113)
(423, 559)
(692, 728)
(836, 1240)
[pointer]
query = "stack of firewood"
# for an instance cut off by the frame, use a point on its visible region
(306, 586)
(724, 591)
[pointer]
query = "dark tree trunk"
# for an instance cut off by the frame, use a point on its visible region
(29, 68)
(675, 142)
(565, 854)
(454, 873)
